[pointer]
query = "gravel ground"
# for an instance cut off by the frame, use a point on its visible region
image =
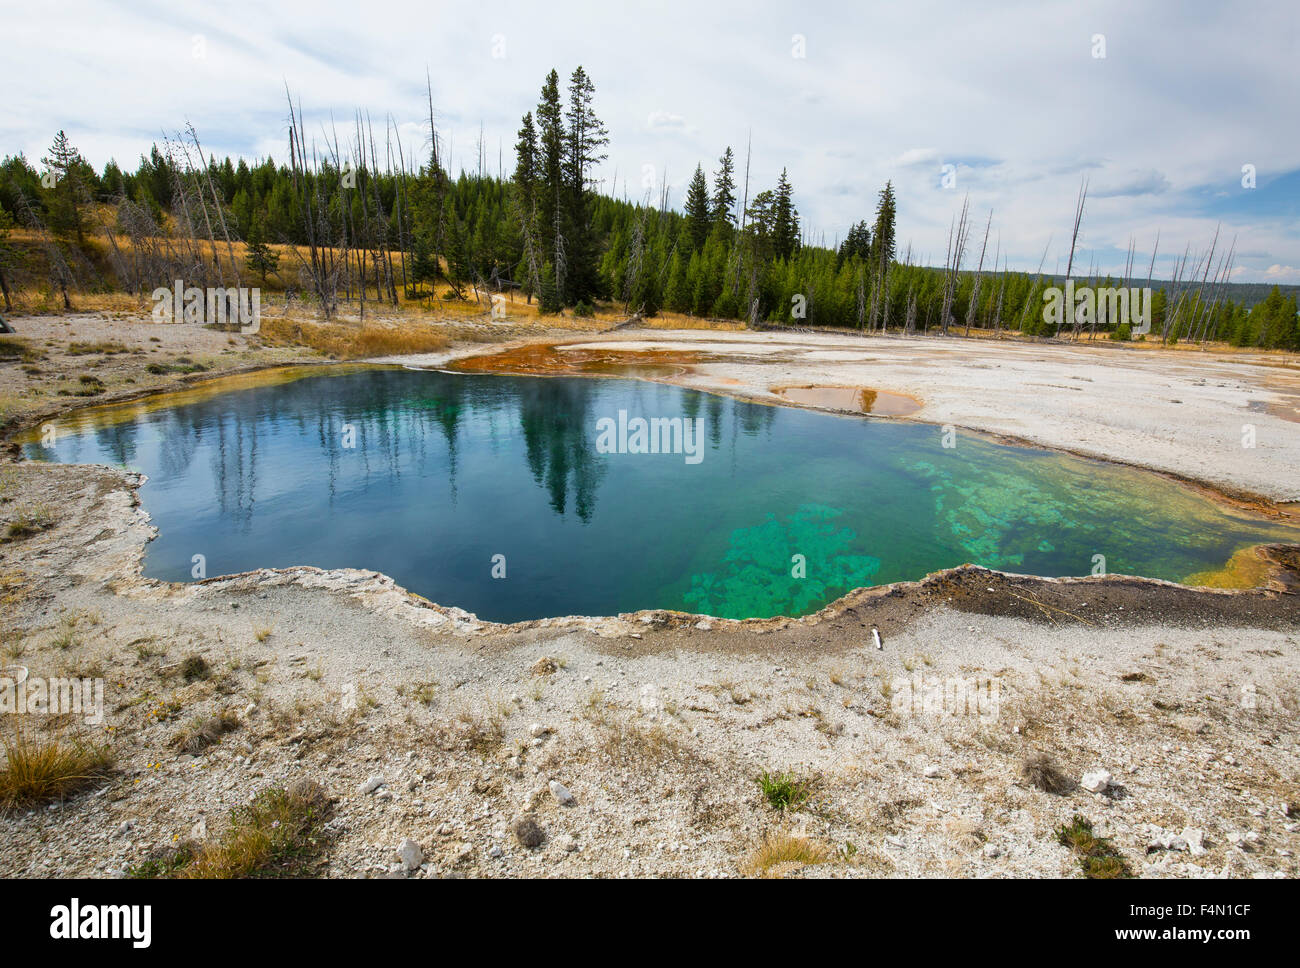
(1180, 412)
(424, 724)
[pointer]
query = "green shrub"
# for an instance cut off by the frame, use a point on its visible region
(784, 791)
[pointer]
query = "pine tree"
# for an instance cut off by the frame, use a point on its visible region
(67, 169)
(882, 251)
(260, 257)
(676, 297)
(724, 191)
(524, 198)
(424, 267)
(856, 243)
(6, 257)
(698, 213)
(785, 220)
(550, 178)
(584, 140)
(548, 297)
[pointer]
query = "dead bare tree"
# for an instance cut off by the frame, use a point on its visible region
(60, 272)
(402, 206)
(636, 254)
(1221, 276)
(1029, 299)
(1074, 240)
(953, 261)
(1171, 314)
(324, 262)
(220, 209)
(1002, 287)
(973, 308)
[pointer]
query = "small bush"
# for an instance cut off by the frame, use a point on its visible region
(1041, 771)
(1098, 859)
(166, 862)
(784, 791)
(195, 667)
(529, 833)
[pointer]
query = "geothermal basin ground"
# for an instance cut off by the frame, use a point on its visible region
(636, 741)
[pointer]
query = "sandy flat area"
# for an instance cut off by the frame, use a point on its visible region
(1186, 413)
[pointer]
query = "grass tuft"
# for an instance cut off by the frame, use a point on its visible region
(1041, 771)
(29, 521)
(16, 349)
(203, 733)
(782, 853)
(195, 667)
(39, 772)
(1098, 859)
(784, 791)
(279, 834)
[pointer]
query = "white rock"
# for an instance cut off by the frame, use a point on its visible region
(495, 851)
(932, 771)
(538, 730)
(566, 843)
(561, 793)
(1195, 840)
(371, 785)
(649, 700)
(1095, 781)
(992, 850)
(1160, 839)
(411, 854)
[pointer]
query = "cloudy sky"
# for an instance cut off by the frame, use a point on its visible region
(1012, 96)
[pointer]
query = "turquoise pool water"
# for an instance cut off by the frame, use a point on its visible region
(498, 494)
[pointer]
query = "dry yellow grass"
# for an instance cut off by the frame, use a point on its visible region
(40, 771)
(355, 342)
(278, 834)
(782, 853)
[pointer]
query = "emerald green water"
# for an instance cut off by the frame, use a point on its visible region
(448, 471)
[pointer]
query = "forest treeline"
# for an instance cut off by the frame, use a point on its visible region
(368, 220)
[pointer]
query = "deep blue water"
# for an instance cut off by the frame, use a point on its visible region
(448, 471)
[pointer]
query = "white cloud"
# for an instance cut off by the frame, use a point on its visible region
(665, 121)
(917, 157)
(1164, 122)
